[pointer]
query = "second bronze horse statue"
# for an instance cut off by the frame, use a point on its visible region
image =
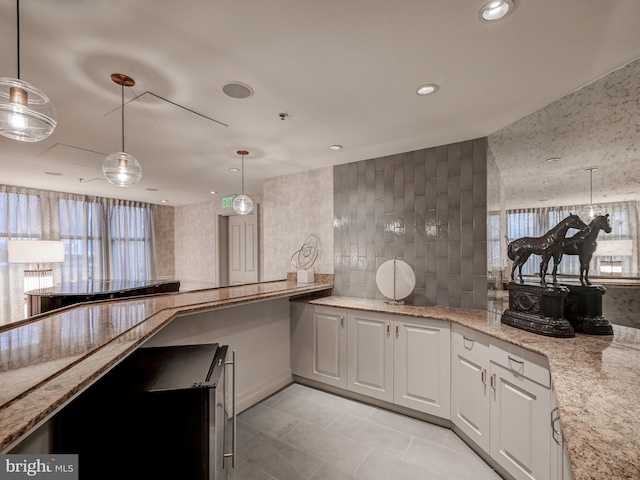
(548, 246)
(584, 244)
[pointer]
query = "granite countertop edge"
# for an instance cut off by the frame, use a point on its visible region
(21, 415)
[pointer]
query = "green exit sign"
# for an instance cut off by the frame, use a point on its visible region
(227, 202)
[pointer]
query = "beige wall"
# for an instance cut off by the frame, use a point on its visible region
(195, 243)
(165, 245)
(291, 207)
(295, 206)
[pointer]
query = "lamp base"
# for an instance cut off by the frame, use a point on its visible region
(37, 279)
(305, 276)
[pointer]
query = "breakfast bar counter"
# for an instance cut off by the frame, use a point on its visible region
(46, 361)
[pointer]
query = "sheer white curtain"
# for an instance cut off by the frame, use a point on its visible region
(617, 253)
(105, 239)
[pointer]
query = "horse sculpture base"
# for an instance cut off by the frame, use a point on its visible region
(584, 310)
(538, 309)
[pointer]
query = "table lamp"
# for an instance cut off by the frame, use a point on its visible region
(38, 252)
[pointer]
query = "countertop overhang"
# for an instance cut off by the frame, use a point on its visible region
(45, 362)
(596, 381)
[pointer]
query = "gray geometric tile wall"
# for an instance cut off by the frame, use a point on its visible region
(428, 208)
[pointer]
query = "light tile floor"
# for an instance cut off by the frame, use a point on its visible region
(301, 433)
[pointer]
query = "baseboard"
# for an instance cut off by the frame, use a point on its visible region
(259, 392)
(443, 422)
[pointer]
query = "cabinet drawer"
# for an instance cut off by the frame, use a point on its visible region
(471, 340)
(521, 362)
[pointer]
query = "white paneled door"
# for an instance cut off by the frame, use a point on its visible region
(243, 249)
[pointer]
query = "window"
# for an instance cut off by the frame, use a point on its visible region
(105, 239)
(617, 252)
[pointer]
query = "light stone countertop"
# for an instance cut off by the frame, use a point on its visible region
(596, 381)
(47, 360)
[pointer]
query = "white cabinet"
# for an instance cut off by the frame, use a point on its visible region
(318, 343)
(470, 393)
(400, 359)
(501, 400)
(370, 354)
(520, 426)
(560, 461)
(422, 365)
(329, 346)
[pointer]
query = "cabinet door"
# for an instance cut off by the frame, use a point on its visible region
(422, 365)
(301, 331)
(560, 461)
(329, 346)
(520, 425)
(370, 357)
(470, 394)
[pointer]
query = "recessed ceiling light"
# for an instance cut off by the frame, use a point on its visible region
(213, 192)
(546, 182)
(426, 89)
(55, 174)
(237, 90)
(164, 201)
(495, 10)
(335, 147)
(553, 159)
(234, 170)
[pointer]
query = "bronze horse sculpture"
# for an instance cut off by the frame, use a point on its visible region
(549, 245)
(584, 244)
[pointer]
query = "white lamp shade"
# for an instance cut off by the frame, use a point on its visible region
(36, 251)
(26, 113)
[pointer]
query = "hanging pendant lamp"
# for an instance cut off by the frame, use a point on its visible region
(120, 168)
(26, 113)
(591, 211)
(242, 204)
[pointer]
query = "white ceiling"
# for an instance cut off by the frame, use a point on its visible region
(344, 71)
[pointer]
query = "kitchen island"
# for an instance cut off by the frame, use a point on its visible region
(46, 361)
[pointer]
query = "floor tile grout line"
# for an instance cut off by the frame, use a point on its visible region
(407, 449)
(371, 449)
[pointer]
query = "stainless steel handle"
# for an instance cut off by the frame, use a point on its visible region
(555, 432)
(342, 321)
(493, 381)
(234, 416)
(388, 329)
(397, 331)
(468, 340)
(484, 376)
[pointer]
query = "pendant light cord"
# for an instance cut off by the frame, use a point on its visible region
(591, 183)
(18, 32)
(242, 174)
(122, 89)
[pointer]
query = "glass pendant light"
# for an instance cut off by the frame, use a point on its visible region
(120, 168)
(242, 204)
(26, 113)
(591, 210)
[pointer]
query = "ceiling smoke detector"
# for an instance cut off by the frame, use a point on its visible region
(237, 90)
